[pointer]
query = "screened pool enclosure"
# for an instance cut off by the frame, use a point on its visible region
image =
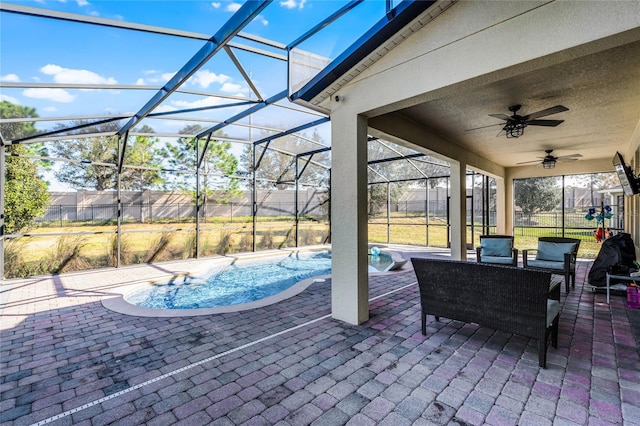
(132, 137)
(126, 139)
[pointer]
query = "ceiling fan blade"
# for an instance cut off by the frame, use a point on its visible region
(553, 110)
(547, 123)
(569, 157)
(529, 162)
(484, 127)
(501, 116)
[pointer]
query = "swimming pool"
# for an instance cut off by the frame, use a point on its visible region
(241, 282)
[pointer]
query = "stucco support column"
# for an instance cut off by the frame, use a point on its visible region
(458, 210)
(349, 273)
(501, 209)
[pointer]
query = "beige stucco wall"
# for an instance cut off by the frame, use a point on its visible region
(446, 58)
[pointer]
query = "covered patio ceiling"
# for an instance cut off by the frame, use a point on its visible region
(601, 91)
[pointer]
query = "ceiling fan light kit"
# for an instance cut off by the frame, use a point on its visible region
(514, 130)
(549, 161)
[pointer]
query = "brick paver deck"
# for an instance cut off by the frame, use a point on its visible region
(68, 360)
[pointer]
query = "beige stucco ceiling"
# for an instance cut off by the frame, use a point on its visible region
(602, 92)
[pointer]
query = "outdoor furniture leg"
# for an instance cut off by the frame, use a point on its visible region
(542, 353)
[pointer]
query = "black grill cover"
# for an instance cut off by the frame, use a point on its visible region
(618, 249)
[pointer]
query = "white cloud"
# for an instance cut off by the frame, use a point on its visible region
(140, 82)
(174, 125)
(165, 108)
(233, 88)
(216, 5)
(205, 102)
(154, 77)
(293, 4)
(263, 20)
(50, 109)
(56, 95)
(10, 99)
(205, 78)
(82, 2)
(12, 78)
(94, 13)
(233, 7)
(68, 75)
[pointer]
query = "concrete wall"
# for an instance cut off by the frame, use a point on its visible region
(85, 205)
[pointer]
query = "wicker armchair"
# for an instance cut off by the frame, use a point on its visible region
(497, 249)
(556, 255)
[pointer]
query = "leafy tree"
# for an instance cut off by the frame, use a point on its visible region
(278, 168)
(26, 194)
(84, 173)
(218, 164)
(142, 151)
(535, 195)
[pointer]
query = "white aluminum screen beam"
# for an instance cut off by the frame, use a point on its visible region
(247, 12)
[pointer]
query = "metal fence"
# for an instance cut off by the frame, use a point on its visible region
(552, 223)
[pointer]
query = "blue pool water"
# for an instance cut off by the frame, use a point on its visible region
(242, 282)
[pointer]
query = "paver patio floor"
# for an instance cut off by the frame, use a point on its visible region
(65, 359)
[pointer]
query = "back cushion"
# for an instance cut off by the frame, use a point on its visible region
(553, 251)
(496, 246)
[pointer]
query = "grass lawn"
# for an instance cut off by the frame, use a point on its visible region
(90, 247)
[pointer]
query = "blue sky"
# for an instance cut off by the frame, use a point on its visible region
(42, 50)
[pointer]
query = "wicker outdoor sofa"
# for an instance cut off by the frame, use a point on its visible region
(506, 298)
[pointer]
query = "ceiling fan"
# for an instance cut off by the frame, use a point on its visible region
(549, 161)
(515, 124)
